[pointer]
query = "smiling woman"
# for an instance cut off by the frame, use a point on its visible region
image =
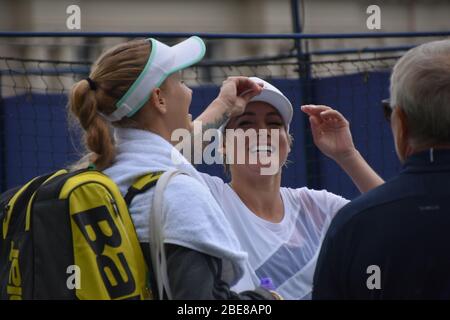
(258, 139)
(280, 228)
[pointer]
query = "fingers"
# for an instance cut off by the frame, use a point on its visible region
(238, 91)
(323, 113)
(249, 94)
(245, 86)
(332, 116)
(312, 109)
(314, 121)
(315, 127)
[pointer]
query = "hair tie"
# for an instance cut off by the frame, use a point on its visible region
(92, 84)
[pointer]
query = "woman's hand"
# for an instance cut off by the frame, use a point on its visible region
(234, 95)
(331, 132)
(236, 92)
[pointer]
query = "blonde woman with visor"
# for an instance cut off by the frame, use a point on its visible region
(281, 228)
(135, 91)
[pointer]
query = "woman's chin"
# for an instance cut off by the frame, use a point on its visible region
(260, 169)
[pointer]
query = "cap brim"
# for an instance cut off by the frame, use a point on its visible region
(187, 53)
(279, 102)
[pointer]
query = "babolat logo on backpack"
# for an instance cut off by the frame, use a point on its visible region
(69, 235)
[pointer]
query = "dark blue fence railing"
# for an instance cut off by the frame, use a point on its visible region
(35, 138)
(292, 36)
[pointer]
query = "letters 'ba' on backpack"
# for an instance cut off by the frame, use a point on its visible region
(69, 235)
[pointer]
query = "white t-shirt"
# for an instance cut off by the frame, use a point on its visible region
(286, 252)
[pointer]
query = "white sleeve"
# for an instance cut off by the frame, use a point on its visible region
(193, 219)
(329, 202)
(215, 185)
(321, 205)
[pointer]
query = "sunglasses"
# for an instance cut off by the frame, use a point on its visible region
(387, 110)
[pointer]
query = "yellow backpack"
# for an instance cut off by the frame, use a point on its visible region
(69, 235)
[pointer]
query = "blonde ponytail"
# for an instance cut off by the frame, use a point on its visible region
(97, 136)
(112, 74)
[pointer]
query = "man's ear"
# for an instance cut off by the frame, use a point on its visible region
(158, 101)
(400, 127)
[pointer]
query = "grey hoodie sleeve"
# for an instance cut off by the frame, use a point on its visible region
(195, 275)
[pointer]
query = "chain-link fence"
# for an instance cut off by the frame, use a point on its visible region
(35, 136)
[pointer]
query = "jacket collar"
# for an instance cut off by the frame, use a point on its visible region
(429, 160)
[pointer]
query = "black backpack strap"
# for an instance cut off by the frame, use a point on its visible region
(145, 246)
(11, 215)
(142, 184)
(4, 199)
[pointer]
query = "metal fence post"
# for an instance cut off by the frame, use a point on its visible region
(305, 80)
(2, 141)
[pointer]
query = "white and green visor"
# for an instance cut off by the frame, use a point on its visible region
(162, 62)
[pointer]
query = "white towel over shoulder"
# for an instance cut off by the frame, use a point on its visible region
(193, 218)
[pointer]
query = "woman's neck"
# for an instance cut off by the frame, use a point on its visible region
(261, 195)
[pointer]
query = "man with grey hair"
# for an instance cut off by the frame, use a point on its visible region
(394, 241)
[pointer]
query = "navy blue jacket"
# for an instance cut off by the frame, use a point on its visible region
(394, 241)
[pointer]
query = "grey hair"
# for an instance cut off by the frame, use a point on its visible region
(420, 85)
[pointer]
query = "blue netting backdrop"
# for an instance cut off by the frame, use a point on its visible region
(34, 134)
